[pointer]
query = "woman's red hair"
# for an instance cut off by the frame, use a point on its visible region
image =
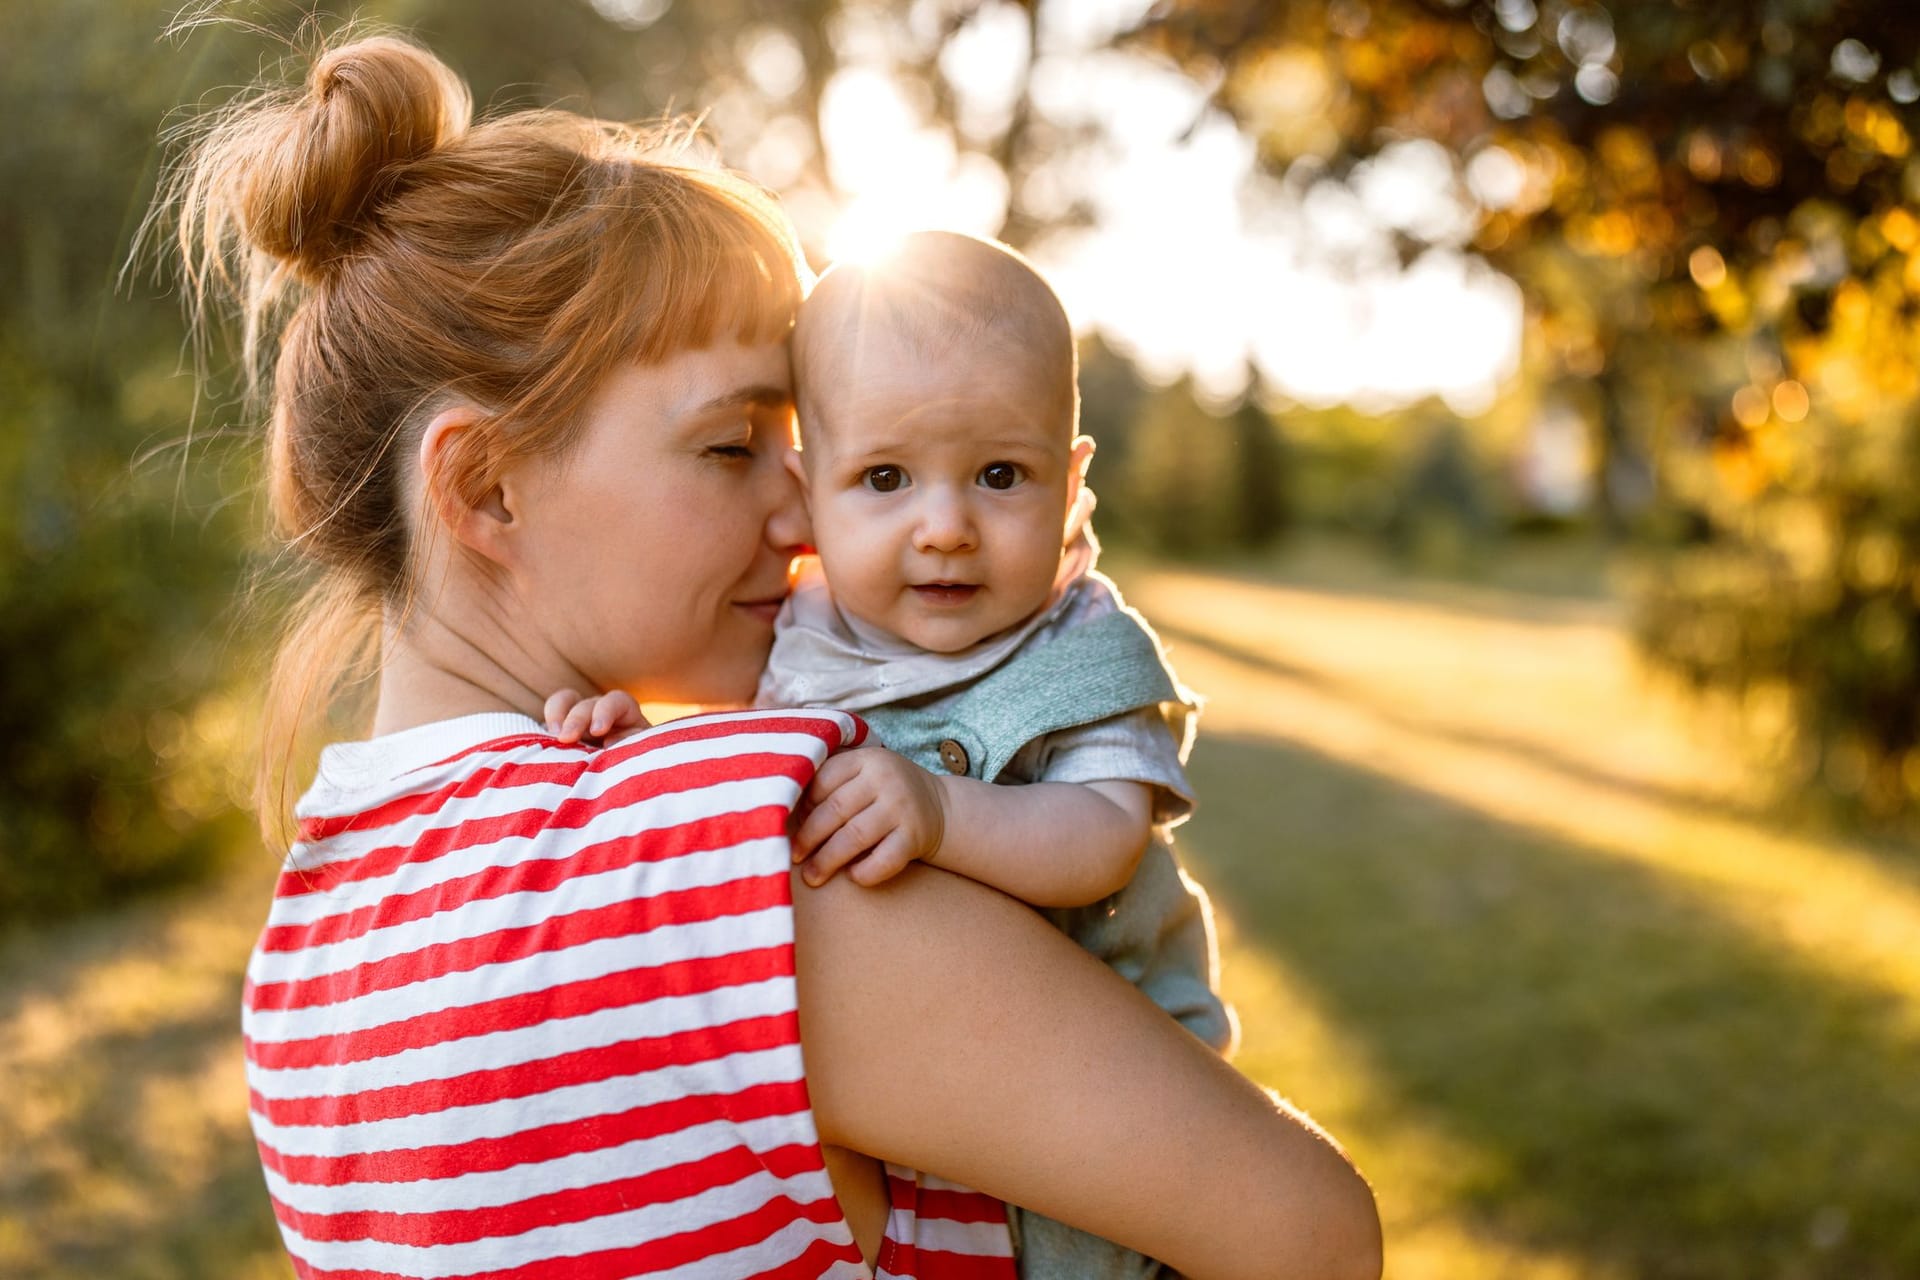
(387, 255)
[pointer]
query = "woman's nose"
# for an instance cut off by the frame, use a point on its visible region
(945, 524)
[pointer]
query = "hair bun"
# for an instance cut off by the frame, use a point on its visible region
(371, 108)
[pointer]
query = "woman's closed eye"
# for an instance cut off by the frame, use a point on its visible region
(884, 479)
(1001, 475)
(735, 441)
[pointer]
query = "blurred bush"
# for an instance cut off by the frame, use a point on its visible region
(1806, 606)
(1174, 476)
(114, 572)
(1438, 516)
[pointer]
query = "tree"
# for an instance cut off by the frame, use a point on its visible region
(1709, 207)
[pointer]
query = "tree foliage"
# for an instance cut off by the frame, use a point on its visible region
(1710, 206)
(112, 576)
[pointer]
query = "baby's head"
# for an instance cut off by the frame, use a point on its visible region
(938, 415)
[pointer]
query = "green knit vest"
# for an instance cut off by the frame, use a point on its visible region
(1106, 668)
(1156, 932)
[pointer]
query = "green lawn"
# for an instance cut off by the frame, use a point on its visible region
(122, 1103)
(1499, 911)
(1511, 923)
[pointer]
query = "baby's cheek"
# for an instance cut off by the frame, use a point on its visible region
(859, 580)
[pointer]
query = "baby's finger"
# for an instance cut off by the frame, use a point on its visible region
(557, 707)
(826, 804)
(825, 817)
(861, 831)
(846, 844)
(833, 773)
(574, 727)
(617, 710)
(885, 861)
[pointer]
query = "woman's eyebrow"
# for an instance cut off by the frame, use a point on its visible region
(760, 393)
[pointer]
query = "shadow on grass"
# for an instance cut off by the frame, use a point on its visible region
(128, 1152)
(1653, 1089)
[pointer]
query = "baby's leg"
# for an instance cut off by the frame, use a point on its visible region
(1050, 1250)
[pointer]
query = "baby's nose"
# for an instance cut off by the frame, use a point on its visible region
(945, 525)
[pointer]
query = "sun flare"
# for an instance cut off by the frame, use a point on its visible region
(869, 230)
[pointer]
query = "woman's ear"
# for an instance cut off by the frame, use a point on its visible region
(452, 464)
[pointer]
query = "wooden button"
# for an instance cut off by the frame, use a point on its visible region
(953, 756)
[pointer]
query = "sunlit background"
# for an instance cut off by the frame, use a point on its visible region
(1156, 223)
(1509, 413)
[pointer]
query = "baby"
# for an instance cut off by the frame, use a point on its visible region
(954, 606)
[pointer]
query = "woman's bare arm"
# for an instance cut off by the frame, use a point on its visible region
(950, 1029)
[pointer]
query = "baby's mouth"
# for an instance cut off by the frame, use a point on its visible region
(945, 593)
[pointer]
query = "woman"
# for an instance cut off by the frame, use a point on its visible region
(525, 1009)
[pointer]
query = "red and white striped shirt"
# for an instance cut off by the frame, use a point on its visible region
(528, 1010)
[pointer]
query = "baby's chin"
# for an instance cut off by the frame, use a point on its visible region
(947, 646)
(949, 639)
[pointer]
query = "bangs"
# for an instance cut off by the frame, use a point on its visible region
(636, 259)
(710, 257)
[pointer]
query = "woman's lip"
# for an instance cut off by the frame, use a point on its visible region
(765, 610)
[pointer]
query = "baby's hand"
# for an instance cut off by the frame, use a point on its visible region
(572, 718)
(873, 802)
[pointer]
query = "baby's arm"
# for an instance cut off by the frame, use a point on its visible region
(1052, 844)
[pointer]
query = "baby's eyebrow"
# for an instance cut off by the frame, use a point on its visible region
(986, 444)
(1016, 445)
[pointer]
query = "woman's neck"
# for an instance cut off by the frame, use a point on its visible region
(436, 668)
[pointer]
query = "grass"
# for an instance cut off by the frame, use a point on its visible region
(1514, 925)
(1498, 910)
(122, 1103)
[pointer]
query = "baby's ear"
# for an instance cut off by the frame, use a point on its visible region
(1077, 459)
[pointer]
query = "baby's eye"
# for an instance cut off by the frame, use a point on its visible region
(730, 451)
(883, 479)
(1000, 475)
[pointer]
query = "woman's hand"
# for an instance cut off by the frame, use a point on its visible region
(869, 802)
(595, 721)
